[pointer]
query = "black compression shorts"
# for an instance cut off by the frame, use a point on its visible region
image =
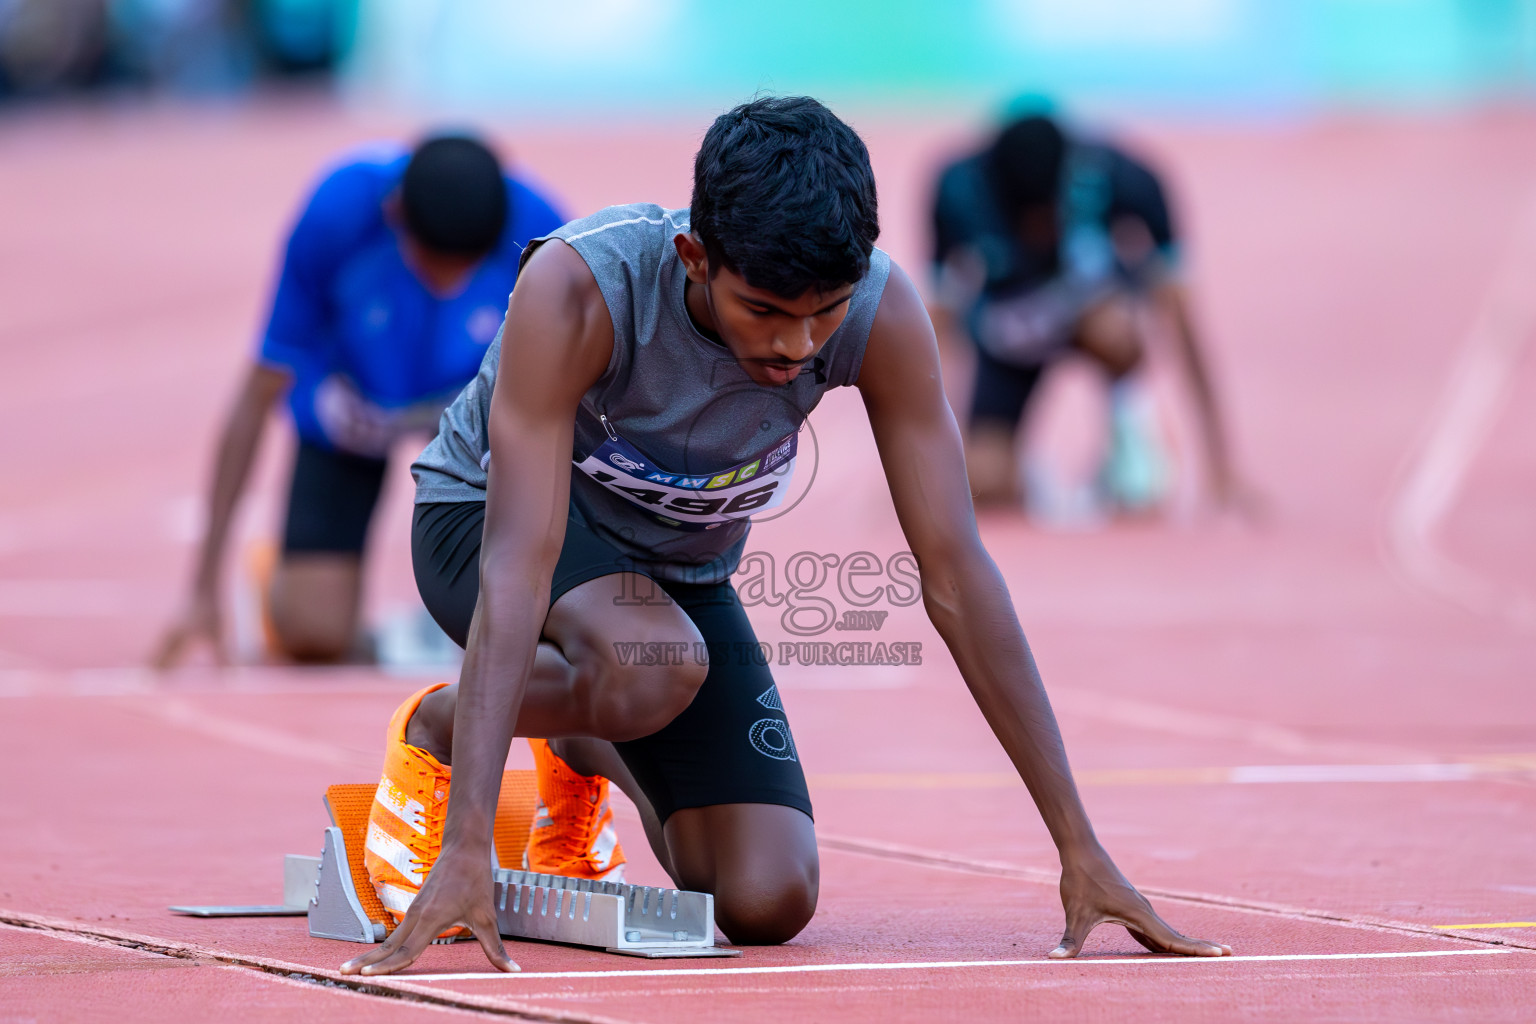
(732, 745)
(330, 500)
(1001, 391)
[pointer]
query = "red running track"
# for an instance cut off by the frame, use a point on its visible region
(1225, 691)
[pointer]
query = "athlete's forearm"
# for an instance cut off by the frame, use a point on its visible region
(503, 637)
(523, 533)
(1213, 430)
(553, 349)
(968, 603)
(238, 444)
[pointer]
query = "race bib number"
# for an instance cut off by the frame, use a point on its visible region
(701, 502)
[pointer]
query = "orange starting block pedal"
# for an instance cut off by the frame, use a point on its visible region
(353, 912)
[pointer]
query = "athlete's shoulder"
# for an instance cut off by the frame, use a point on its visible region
(625, 224)
(346, 205)
(897, 304)
(963, 205)
(559, 268)
(962, 170)
(901, 337)
(1123, 166)
(960, 179)
(626, 248)
(1135, 189)
(358, 180)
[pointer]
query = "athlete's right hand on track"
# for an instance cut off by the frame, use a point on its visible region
(458, 891)
(201, 621)
(1094, 892)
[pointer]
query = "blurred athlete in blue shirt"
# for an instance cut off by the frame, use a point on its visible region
(394, 281)
(1043, 245)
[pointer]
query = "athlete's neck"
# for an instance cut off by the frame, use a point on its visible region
(696, 302)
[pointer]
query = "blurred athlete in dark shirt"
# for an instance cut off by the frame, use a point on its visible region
(1045, 245)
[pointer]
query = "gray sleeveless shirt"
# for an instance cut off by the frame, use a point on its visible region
(675, 446)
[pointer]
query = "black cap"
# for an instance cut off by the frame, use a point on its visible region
(1026, 162)
(453, 196)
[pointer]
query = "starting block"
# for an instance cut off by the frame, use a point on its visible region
(633, 920)
(299, 872)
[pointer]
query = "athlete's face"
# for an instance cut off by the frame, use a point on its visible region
(772, 337)
(444, 273)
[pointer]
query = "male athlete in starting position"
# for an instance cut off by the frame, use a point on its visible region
(672, 355)
(1046, 244)
(392, 286)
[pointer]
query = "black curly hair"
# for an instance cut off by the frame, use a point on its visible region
(783, 195)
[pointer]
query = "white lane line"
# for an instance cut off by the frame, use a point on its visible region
(253, 736)
(915, 856)
(249, 680)
(1477, 392)
(1152, 716)
(1498, 768)
(1277, 773)
(691, 972)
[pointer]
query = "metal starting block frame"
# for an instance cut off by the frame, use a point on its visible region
(633, 920)
(334, 909)
(299, 871)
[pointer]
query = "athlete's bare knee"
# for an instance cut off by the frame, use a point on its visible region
(641, 684)
(312, 607)
(313, 642)
(644, 701)
(757, 911)
(1109, 334)
(680, 684)
(990, 465)
(304, 634)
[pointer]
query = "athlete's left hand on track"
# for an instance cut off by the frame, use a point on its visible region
(1094, 892)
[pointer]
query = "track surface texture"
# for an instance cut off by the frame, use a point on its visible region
(1313, 739)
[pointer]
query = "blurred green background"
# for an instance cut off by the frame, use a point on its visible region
(1197, 56)
(1189, 54)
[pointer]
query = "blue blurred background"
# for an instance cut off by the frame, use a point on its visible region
(1196, 56)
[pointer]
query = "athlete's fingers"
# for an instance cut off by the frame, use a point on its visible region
(1072, 939)
(372, 956)
(357, 963)
(217, 647)
(1155, 934)
(178, 640)
(383, 961)
(399, 960)
(169, 650)
(489, 937)
(384, 951)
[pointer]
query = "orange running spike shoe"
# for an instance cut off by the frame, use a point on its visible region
(405, 825)
(572, 832)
